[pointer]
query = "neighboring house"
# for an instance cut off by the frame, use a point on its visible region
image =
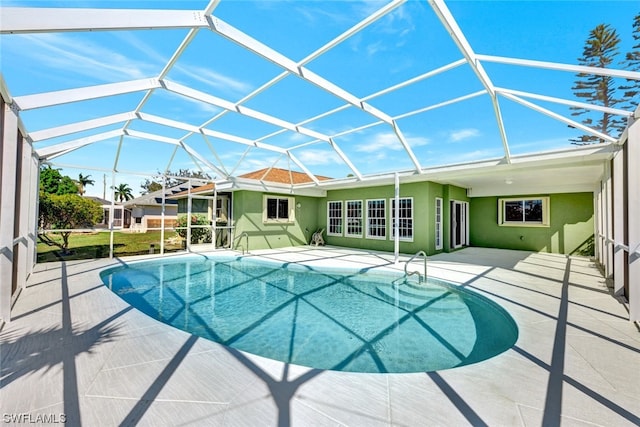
(201, 201)
(146, 210)
(121, 215)
(238, 212)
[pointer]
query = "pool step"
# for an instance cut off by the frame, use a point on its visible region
(413, 296)
(422, 290)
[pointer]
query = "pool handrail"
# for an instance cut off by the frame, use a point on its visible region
(246, 235)
(410, 273)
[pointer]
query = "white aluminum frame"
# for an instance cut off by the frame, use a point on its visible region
(21, 20)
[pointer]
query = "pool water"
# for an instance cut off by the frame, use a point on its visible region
(323, 318)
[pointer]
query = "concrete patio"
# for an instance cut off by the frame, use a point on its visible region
(75, 348)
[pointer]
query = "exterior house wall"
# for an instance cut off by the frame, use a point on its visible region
(248, 218)
(423, 194)
(152, 217)
(570, 230)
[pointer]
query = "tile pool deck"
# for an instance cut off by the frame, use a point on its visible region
(75, 348)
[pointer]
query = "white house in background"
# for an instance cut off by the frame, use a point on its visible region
(146, 211)
(121, 216)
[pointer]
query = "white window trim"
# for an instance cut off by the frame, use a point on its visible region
(366, 223)
(346, 219)
(439, 229)
(292, 210)
(412, 218)
(329, 233)
(546, 217)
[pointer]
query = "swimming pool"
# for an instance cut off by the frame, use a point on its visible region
(337, 319)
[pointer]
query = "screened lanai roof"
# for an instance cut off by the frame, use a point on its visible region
(472, 93)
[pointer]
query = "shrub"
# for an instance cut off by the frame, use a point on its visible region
(198, 235)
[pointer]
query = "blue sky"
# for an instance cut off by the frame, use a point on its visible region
(404, 44)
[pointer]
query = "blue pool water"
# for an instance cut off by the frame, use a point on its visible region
(323, 318)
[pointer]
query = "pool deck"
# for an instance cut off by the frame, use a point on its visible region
(75, 348)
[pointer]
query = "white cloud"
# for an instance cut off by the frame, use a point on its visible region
(373, 48)
(462, 134)
(396, 25)
(318, 157)
(252, 164)
(389, 141)
(137, 43)
(215, 79)
(319, 16)
(179, 108)
(65, 52)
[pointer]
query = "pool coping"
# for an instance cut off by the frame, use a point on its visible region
(74, 348)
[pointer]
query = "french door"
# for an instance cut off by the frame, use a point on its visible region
(459, 224)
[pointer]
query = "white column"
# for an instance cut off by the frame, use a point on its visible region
(610, 235)
(111, 212)
(34, 180)
(22, 207)
(396, 226)
(618, 223)
(9, 149)
(633, 195)
(164, 200)
(598, 212)
(189, 215)
(214, 216)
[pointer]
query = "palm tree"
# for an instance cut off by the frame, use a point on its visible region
(82, 182)
(123, 192)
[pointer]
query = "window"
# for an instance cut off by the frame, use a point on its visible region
(354, 218)
(524, 212)
(376, 219)
(278, 209)
(334, 218)
(405, 218)
(438, 236)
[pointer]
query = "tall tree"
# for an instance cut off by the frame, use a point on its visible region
(82, 183)
(600, 50)
(65, 212)
(149, 186)
(631, 88)
(53, 182)
(123, 192)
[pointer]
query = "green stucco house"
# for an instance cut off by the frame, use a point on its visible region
(431, 216)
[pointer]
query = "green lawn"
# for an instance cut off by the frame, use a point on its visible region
(96, 245)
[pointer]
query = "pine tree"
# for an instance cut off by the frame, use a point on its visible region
(631, 88)
(600, 50)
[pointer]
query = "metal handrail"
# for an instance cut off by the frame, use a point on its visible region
(410, 273)
(244, 234)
